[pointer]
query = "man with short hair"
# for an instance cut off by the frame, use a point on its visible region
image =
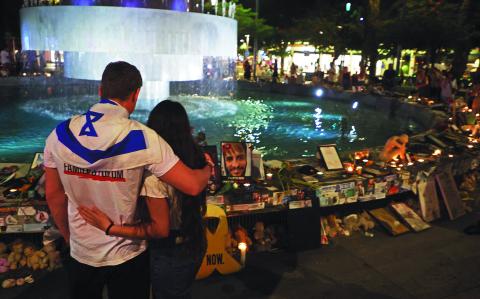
(235, 159)
(99, 158)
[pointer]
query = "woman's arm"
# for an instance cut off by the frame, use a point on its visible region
(158, 227)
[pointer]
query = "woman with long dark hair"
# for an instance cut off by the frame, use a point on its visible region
(175, 260)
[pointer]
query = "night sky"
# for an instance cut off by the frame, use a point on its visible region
(9, 17)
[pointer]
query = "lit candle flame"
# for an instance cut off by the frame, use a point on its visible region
(242, 246)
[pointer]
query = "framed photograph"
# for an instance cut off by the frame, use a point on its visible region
(215, 177)
(411, 218)
(278, 198)
(428, 198)
(389, 221)
(450, 195)
(381, 187)
(236, 160)
(258, 172)
(329, 156)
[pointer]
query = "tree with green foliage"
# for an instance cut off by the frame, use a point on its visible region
(468, 28)
(247, 25)
(436, 26)
(279, 41)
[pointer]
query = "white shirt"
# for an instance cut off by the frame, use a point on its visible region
(153, 187)
(100, 157)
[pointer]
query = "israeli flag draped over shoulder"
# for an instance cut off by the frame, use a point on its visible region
(105, 138)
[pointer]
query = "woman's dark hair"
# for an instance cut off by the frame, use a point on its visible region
(169, 119)
(120, 79)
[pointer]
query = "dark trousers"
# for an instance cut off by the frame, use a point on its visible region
(128, 280)
(172, 271)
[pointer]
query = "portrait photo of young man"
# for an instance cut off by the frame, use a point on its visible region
(236, 160)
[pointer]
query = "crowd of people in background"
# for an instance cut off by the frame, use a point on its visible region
(428, 82)
(20, 62)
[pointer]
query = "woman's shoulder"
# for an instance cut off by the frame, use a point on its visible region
(153, 183)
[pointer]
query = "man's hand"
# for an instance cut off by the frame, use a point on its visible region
(210, 163)
(209, 160)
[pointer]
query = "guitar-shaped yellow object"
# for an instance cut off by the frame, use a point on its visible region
(217, 257)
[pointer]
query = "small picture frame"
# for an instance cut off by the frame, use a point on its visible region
(450, 195)
(236, 161)
(258, 171)
(389, 221)
(413, 220)
(215, 179)
(329, 157)
(428, 198)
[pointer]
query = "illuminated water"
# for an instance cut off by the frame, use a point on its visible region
(281, 126)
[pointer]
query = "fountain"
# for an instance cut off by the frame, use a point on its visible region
(166, 46)
(181, 54)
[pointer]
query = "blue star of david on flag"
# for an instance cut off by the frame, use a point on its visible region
(88, 129)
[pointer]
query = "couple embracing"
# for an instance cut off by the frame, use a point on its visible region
(100, 167)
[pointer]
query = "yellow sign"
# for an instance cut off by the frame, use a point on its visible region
(216, 257)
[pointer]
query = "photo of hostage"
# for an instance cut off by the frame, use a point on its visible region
(395, 147)
(236, 160)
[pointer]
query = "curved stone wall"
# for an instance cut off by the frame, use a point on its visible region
(164, 45)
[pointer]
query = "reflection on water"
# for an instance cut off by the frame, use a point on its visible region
(280, 126)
